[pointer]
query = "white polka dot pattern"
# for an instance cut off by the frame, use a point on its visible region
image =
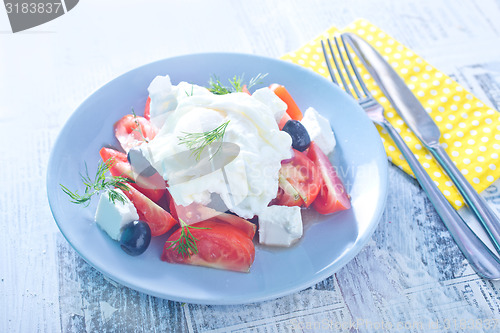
(470, 129)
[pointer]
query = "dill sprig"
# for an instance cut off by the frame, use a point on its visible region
(192, 91)
(216, 87)
(258, 79)
(98, 184)
(237, 84)
(186, 243)
(138, 128)
(196, 142)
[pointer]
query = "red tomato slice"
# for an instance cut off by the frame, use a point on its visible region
(153, 187)
(303, 176)
(158, 219)
(132, 131)
(287, 195)
(245, 89)
(195, 213)
(292, 110)
(117, 156)
(147, 112)
(171, 206)
(220, 246)
(240, 223)
(333, 196)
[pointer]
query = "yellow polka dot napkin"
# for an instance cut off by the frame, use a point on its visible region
(470, 130)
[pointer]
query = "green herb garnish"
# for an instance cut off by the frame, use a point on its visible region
(192, 91)
(138, 128)
(98, 184)
(236, 84)
(256, 80)
(196, 142)
(186, 243)
(216, 87)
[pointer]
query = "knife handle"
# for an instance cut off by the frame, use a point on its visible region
(479, 256)
(484, 213)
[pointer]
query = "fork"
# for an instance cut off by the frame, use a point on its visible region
(482, 260)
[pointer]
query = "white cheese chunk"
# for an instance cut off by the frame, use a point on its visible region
(319, 130)
(112, 217)
(280, 225)
(269, 98)
(163, 99)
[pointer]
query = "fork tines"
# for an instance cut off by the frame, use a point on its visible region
(343, 56)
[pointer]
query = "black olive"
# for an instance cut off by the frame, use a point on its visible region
(135, 238)
(300, 137)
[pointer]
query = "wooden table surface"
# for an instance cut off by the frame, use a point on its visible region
(410, 276)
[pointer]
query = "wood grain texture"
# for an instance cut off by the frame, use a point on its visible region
(90, 302)
(411, 272)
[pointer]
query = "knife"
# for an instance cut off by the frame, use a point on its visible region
(419, 121)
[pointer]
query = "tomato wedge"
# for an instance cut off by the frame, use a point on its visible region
(287, 195)
(292, 110)
(333, 196)
(245, 89)
(131, 131)
(147, 111)
(220, 246)
(196, 212)
(171, 205)
(153, 187)
(247, 227)
(159, 220)
(303, 176)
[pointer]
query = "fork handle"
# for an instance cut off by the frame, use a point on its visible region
(482, 260)
(484, 213)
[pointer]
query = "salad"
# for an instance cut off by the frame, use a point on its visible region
(212, 171)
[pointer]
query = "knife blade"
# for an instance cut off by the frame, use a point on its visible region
(420, 122)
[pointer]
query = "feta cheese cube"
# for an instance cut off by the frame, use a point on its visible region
(280, 225)
(163, 99)
(319, 130)
(269, 98)
(112, 217)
